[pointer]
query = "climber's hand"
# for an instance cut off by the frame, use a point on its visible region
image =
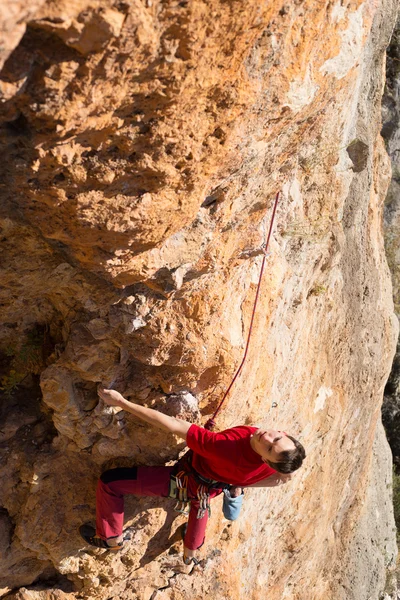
(235, 491)
(178, 427)
(111, 397)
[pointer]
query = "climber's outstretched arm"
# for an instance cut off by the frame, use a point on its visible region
(151, 416)
(272, 480)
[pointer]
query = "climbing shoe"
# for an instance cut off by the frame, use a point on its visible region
(190, 560)
(88, 533)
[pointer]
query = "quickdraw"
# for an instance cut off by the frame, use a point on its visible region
(204, 498)
(183, 503)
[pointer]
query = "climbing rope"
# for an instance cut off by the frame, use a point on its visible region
(184, 467)
(211, 422)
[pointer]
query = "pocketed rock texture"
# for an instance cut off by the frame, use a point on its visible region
(142, 146)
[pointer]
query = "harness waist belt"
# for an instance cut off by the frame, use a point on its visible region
(185, 463)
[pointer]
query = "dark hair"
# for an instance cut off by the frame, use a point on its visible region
(290, 460)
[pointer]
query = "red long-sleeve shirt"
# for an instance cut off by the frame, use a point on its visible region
(227, 456)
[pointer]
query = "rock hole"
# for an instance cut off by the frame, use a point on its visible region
(89, 153)
(34, 183)
(123, 6)
(217, 195)
(358, 152)
(23, 357)
(59, 178)
(209, 200)
(144, 128)
(113, 150)
(7, 527)
(18, 126)
(220, 134)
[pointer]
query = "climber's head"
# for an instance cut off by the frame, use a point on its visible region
(280, 451)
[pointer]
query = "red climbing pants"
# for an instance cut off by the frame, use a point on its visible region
(142, 481)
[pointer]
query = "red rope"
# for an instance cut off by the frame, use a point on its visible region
(211, 422)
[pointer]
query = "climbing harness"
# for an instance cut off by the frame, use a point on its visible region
(184, 469)
(179, 482)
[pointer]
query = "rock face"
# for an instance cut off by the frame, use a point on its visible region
(391, 133)
(143, 143)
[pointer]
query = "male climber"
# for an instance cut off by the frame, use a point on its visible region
(238, 457)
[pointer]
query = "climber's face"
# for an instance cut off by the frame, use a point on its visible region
(269, 443)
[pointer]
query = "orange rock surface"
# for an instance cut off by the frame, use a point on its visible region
(142, 145)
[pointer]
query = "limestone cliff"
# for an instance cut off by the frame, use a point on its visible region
(390, 132)
(142, 144)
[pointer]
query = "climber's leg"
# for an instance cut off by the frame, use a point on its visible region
(196, 528)
(114, 484)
